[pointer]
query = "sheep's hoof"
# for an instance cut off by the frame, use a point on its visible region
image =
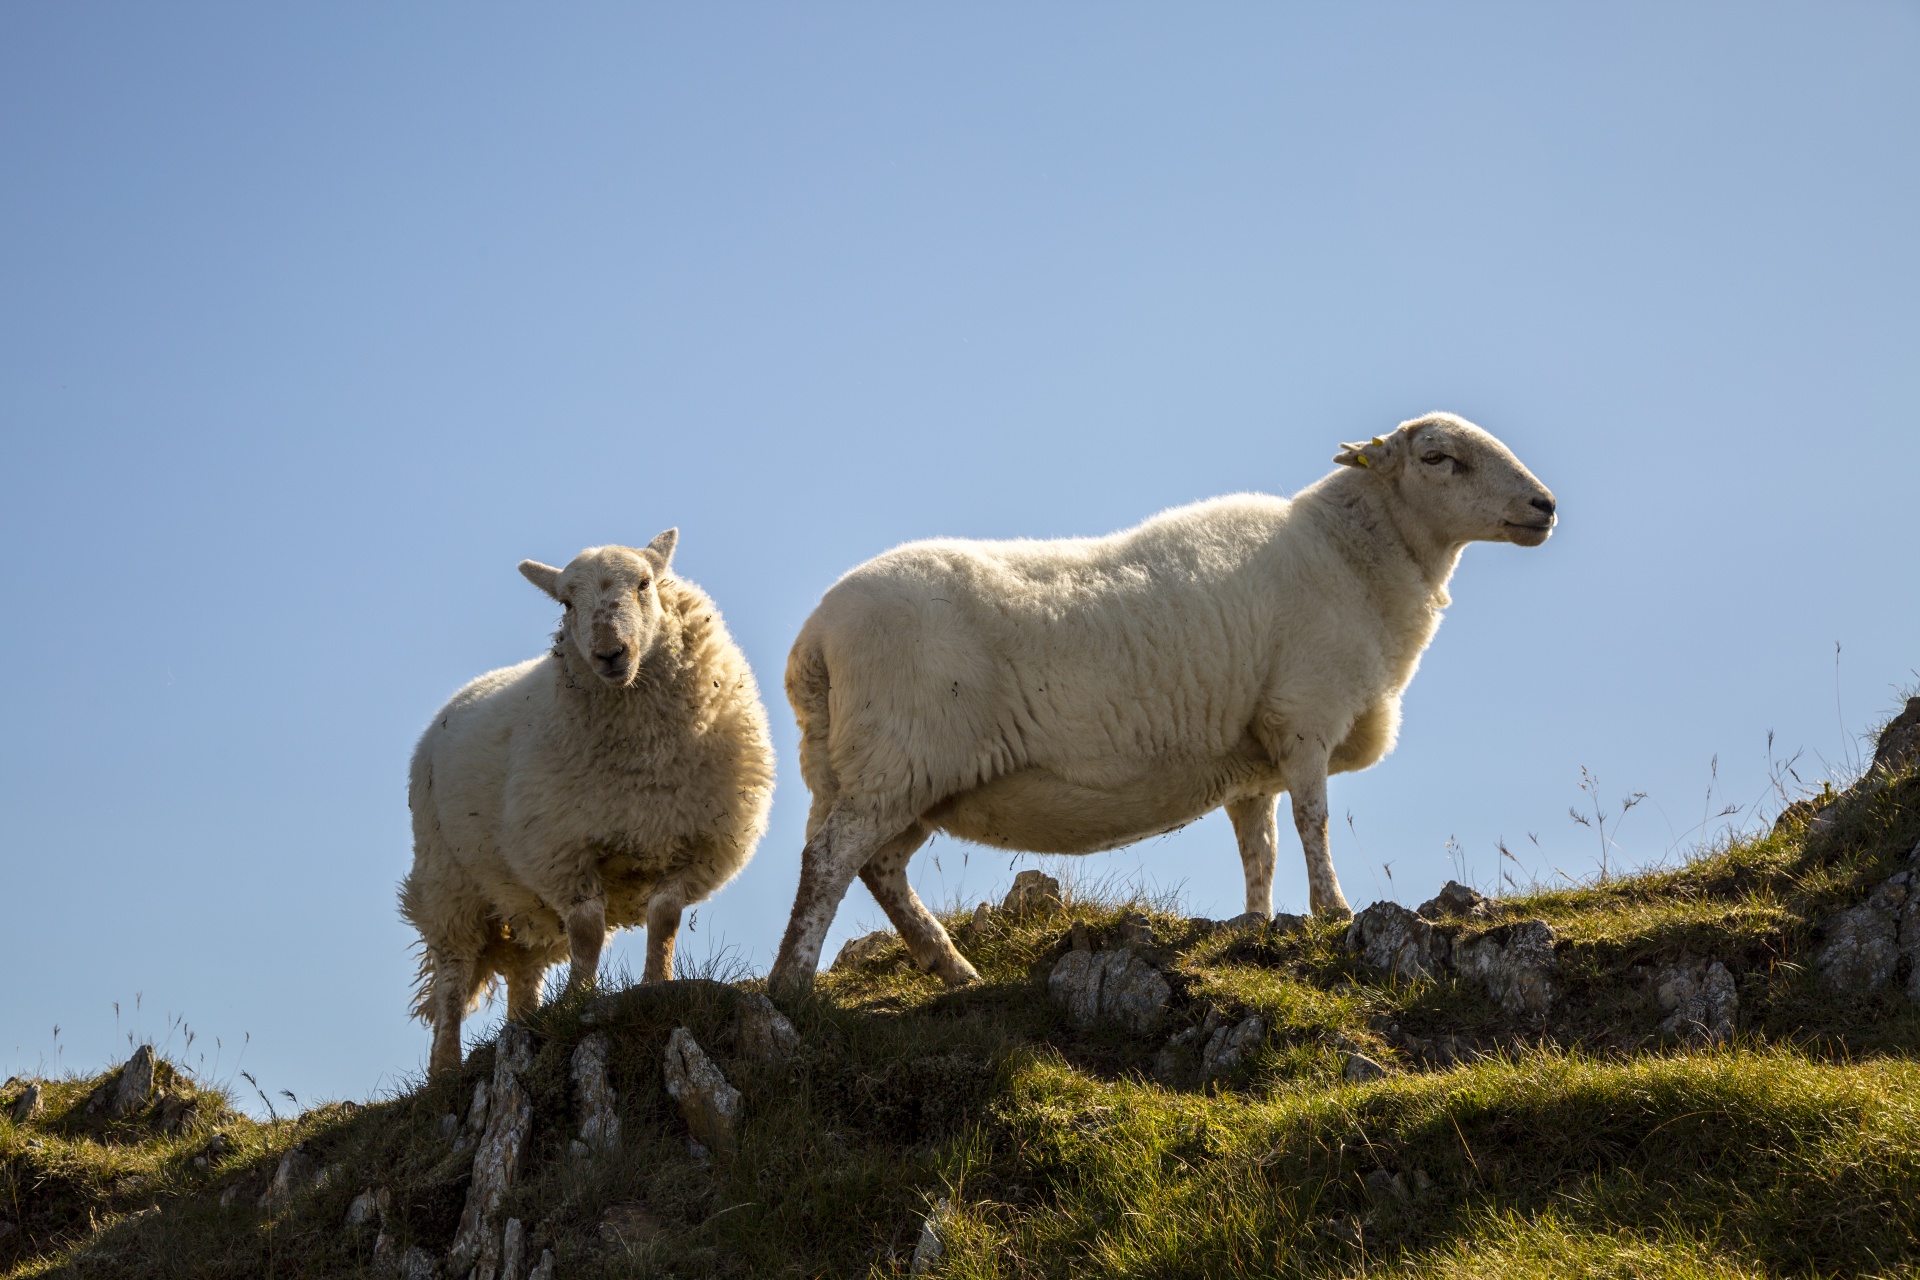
(961, 975)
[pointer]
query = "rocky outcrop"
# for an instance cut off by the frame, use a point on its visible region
(1456, 899)
(1862, 945)
(710, 1106)
(862, 950)
(929, 1251)
(593, 1096)
(128, 1090)
(761, 1031)
(1118, 987)
(27, 1105)
(1700, 1000)
(1391, 938)
(497, 1157)
(297, 1172)
(1032, 891)
(1229, 1047)
(1512, 963)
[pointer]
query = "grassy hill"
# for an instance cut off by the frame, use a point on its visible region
(1367, 1123)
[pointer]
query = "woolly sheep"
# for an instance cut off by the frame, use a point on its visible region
(1077, 695)
(619, 778)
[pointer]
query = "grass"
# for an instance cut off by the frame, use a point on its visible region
(1584, 1143)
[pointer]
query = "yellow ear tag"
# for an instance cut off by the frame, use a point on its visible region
(1361, 458)
(1379, 443)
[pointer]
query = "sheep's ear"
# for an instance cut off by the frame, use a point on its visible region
(543, 576)
(660, 550)
(1362, 455)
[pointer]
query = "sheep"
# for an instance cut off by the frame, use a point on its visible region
(619, 778)
(1077, 695)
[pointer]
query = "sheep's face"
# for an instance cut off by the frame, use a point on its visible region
(612, 600)
(1466, 485)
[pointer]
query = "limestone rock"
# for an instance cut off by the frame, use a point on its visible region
(297, 1172)
(1860, 950)
(178, 1113)
(1389, 937)
(417, 1264)
(1229, 1047)
(863, 950)
(1514, 963)
(1387, 1188)
(593, 1095)
(1358, 1068)
(1700, 1000)
(1899, 742)
(1456, 899)
(1133, 930)
(496, 1160)
(129, 1090)
(1116, 987)
(710, 1106)
(762, 1031)
(27, 1105)
(1285, 922)
(929, 1251)
(513, 1250)
(477, 1109)
(371, 1205)
(543, 1271)
(1245, 922)
(1032, 891)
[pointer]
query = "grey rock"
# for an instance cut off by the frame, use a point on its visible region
(477, 1109)
(1899, 743)
(1860, 950)
(863, 950)
(230, 1195)
(417, 1264)
(1117, 987)
(371, 1205)
(1387, 1188)
(129, 1090)
(513, 1251)
(178, 1113)
(27, 1105)
(929, 1251)
(1228, 1048)
(1170, 1063)
(593, 1096)
(1358, 1068)
(982, 917)
(1245, 922)
(1133, 930)
(297, 1172)
(710, 1106)
(1514, 963)
(543, 1271)
(498, 1155)
(1285, 922)
(449, 1126)
(1456, 899)
(1700, 1000)
(762, 1031)
(1391, 938)
(218, 1145)
(1032, 891)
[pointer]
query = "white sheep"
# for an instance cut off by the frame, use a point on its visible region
(1081, 694)
(619, 778)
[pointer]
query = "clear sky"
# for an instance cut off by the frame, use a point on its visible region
(315, 320)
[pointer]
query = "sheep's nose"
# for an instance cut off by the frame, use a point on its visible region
(614, 654)
(1543, 505)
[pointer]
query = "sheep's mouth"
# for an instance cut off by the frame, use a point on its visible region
(1527, 535)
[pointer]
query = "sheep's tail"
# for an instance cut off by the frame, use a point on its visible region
(809, 685)
(422, 1001)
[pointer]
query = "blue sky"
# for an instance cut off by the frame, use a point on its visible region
(314, 321)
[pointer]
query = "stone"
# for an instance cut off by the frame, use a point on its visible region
(1899, 743)
(710, 1106)
(417, 1264)
(1456, 899)
(1701, 1002)
(982, 916)
(1514, 963)
(370, 1206)
(762, 1032)
(630, 1225)
(1117, 987)
(477, 1109)
(129, 1090)
(449, 1126)
(1229, 1047)
(1133, 930)
(230, 1195)
(1285, 922)
(863, 950)
(1389, 937)
(219, 1145)
(497, 1156)
(178, 1113)
(544, 1270)
(513, 1250)
(593, 1096)
(930, 1251)
(1032, 891)
(1358, 1068)
(1387, 1188)
(297, 1172)
(1860, 950)
(1170, 1063)
(27, 1105)
(1078, 939)
(1245, 922)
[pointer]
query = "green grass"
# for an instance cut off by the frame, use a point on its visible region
(1581, 1144)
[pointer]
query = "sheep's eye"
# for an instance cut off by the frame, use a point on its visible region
(1434, 459)
(567, 605)
(642, 588)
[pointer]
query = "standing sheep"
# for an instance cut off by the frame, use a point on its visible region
(1077, 695)
(617, 779)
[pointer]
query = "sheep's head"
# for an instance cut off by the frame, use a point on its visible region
(1466, 485)
(612, 601)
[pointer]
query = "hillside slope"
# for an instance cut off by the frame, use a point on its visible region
(1704, 1071)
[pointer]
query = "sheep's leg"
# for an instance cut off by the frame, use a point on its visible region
(452, 991)
(1257, 830)
(663, 925)
(523, 986)
(1307, 784)
(586, 933)
(885, 876)
(828, 863)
